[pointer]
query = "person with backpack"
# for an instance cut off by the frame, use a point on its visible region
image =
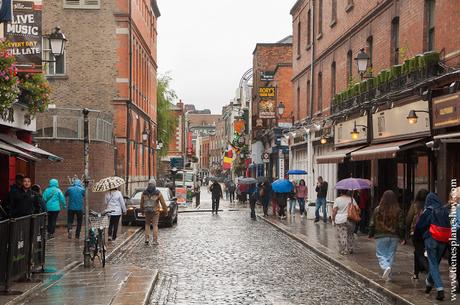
(435, 228)
(387, 227)
(264, 195)
(76, 195)
(413, 216)
(152, 205)
(54, 199)
(253, 197)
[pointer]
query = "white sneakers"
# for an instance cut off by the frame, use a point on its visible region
(386, 274)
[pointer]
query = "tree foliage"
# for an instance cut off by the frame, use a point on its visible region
(167, 121)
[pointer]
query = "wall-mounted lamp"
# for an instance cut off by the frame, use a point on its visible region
(355, 133)
(412, 116)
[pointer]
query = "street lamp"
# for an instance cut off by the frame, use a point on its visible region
(323, 140)
(362, 61)
(57, 42)
(174, 171)
(355, 133)
(145, 135)
(412, 116)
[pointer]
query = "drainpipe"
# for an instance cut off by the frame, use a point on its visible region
(310, 177)
(128, 103)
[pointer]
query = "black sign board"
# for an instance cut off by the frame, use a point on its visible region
(24, 34)
(267, 76)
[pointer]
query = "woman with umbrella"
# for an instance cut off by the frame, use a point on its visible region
(282, 188)
(113, 200)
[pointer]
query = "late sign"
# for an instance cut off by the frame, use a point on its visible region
(267, 92)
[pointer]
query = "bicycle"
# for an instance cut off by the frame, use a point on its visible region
(98, 223)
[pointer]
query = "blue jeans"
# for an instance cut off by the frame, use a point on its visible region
(292, 206)
(435, 250)
(386, 250)
(301, 205)
(321, 202)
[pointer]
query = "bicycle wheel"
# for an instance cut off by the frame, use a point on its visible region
(102, 249)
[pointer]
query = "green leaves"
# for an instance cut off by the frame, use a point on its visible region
(166, 119)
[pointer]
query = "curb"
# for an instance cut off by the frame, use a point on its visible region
(61, 273)
(149, 293)
(197, 211)
(397, 299)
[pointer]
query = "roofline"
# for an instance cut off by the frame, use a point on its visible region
(296, 6)
(156, 9)
(275, 44)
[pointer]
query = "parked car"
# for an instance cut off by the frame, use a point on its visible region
(135, 217)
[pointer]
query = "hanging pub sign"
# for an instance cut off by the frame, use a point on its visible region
(24, 34)
(267, 76)
(446, 111)
(267, 92)
(267, 109)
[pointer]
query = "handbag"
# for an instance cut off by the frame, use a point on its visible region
(353, 212)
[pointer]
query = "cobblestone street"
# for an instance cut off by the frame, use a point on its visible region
(230, 259)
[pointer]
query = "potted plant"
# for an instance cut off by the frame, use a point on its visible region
(35, 92)
(9, 89)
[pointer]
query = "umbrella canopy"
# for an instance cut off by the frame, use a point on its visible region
(107, 184)
(353, 184)
(247, 181)
(282, 186)
(297, 172)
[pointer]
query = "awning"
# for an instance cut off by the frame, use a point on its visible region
(336, 156)
(28, 148)
(11, 150)
(384, 151)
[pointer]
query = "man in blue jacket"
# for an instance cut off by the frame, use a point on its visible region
(434, 226)
(76, 198)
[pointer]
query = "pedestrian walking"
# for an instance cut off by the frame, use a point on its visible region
(75, 195)
(292, 200)
(344, 226)
(197, 193)
(321, 190)
(435, 227)
(363, 203)
(24, 201)
(253, 197)
(216, 191)
(264, 195)
(152, 205)
(281, 199)
(54, 200)
(39, 206)
(415, 211)
(115, 204)
(231, 191)
(301, 195)
(387, 227)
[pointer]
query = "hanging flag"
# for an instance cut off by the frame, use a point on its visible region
(228, 158)
(6, 11)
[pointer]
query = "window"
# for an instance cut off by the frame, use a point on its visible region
(298, 103)
(82, 4)
(320, 91)
(299, 37)
(333, 79)
(309, 28)
(53, 68)
(349, 67)
(370, 49)
(395, 41)
(333, 12)
(308, 99)
(320, 17)
(429, 15)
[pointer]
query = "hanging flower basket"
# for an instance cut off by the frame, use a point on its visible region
(9, 89)
(35, 92)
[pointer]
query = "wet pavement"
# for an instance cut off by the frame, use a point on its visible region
(230, 259)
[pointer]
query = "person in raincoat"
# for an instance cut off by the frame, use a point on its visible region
(253, 197)
(435, 227)
(76, 198)
(152, 204)
(115, 204)
(54, 199)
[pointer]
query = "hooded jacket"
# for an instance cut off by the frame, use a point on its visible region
(435, 213)
(53, 197)
(76, 194)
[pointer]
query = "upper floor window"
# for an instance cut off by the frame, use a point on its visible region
(395, 41)
(320, 17)
(56, 65)
(349, 67)
(333, 79)
(320, 91)
(429, 16)
(333, 12)
(370, 49)
(82, 4)
(308, 99)
(298, 104)
(299, 37)
(309, 27)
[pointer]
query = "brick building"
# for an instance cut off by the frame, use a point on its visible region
(109, 66)
(272, 71)
(413, 56)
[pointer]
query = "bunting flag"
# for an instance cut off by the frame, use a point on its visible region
(228, 158)
(6, 11)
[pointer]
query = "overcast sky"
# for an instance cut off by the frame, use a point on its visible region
(207, 45)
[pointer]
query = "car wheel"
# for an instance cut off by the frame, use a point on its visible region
(175, 219)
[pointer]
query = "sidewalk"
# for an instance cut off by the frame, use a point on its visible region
(63, 258)
(363, 264)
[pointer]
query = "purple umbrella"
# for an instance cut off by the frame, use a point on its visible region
(353, 184)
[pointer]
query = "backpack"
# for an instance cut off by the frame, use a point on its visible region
(151, 203)
(440, 228)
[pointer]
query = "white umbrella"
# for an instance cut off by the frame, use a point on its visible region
(107, 184)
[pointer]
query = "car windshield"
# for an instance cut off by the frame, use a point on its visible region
(137, 196)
